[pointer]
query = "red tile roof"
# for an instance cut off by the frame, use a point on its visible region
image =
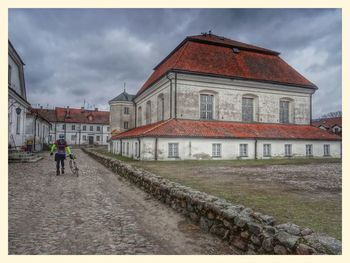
(221, 129)
(328, 122)
(75, 115)
(213, 55)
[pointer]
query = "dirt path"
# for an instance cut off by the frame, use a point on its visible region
(96, 213)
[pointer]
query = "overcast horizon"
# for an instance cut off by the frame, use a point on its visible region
(72, 55)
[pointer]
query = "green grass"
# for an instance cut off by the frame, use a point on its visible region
(321, 211)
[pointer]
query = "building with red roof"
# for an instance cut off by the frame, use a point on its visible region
(213, 97)
(333, 124)
(80, 126)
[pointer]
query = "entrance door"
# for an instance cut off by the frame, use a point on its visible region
(91, 140)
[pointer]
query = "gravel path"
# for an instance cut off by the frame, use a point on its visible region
(96, 213)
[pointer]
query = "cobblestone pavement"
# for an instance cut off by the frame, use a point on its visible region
(95, 213)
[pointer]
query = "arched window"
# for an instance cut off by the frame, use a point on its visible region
(139, 116)
(286, 110)
(250, 108)
(160, 107)
(148, 112)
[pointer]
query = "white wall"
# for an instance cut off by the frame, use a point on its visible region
(14, 137)
(199, 148)
(15, 82)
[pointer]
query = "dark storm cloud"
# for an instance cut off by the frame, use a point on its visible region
(77, 54)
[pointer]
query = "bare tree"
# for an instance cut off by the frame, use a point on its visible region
(332, 114)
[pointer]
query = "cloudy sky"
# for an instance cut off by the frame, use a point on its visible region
(77, 54)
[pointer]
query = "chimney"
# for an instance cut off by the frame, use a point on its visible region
(82, 109)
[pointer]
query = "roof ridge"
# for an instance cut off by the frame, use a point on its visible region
(157, 126)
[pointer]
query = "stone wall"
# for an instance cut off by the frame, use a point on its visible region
(250, 232)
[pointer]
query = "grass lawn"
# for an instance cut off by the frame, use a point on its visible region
(305, 191)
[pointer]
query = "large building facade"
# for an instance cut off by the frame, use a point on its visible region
(213, 97)
(18, 106)
(79, 126)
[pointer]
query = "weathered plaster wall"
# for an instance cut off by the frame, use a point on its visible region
(117, 116)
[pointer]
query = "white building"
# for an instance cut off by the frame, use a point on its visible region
(216, 98)
(79, 126)
(18, 106)
(37, 130)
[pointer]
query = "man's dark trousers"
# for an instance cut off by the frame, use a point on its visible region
(59, 158)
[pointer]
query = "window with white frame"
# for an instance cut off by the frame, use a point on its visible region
(288, 150)
(135, 150)
(139, 116)
(84, 127)
(63, 126)
(243, 150)
(123, 148)
(126, 125)
(267, 150)
(173, 150)
(126, 110)
(216, 150)
(97, 138)
(73, 127)
(91, 128)
(18, 123)
(127, 148)
(247, 109)
(98, 128)
(206, 106)
(284, 111)
(326, 150)
(308, 149)
(84, 137)
(148, 112)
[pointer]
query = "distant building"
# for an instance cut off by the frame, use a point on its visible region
(18, 106)
(333, 125)
(80, 126)
(217, 98)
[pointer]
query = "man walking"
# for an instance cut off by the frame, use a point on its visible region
(62, 149)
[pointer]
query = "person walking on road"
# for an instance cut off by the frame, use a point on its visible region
(62, 149)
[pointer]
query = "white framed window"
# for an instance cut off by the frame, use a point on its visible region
(63, 126)
(18, 123)
(97, 138)
(206, 106)
(126, 125)
(135, 150)
(84, 127)
(127, 148)
(108, 128)
(173, 150)
(98, 128)
(267, 150)
(139, 116)
(326, 150)
(126, 110)
(284, 111)
(247, 109)
(288, 150)
(216, 150)
(73, 127)
(243, 150)
(84, 137)
(123, 148)
(148, 112)
(91, 128)
(308, 149)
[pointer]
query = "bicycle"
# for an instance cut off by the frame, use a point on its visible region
(73, 166)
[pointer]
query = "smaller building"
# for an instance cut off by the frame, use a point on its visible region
(333, 125)
(37, 131)
(79, 126)
(122, 117)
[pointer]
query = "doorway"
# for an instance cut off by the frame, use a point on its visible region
(91, 140)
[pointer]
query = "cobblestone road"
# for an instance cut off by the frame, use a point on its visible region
(96, 213)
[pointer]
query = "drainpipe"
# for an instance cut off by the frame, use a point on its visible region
(175, 98)
(121, 142)
(310, 109)
(156, 150)
(34, 141)
(256, 147)
(171, 97)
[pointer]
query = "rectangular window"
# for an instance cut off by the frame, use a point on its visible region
(206, 106)
(127, 148)
(247, 109)
(308, 149)
(173, 150)
(123, 150)
(107, 138)
(135, 150)
(216, 150)
(73, 127)
(84, 137)
(126, 125)
(126, 110)
(284, 111)
(108, 129)
(18, 123)
(243, 150)
(267, 150)
(91, 128)
(98, 128)
(64, 126)
(9, 74)
(84, 127)
(326, 150)
(288, 150)
(97, 138)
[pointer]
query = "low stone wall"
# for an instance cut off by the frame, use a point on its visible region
(249, 231)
